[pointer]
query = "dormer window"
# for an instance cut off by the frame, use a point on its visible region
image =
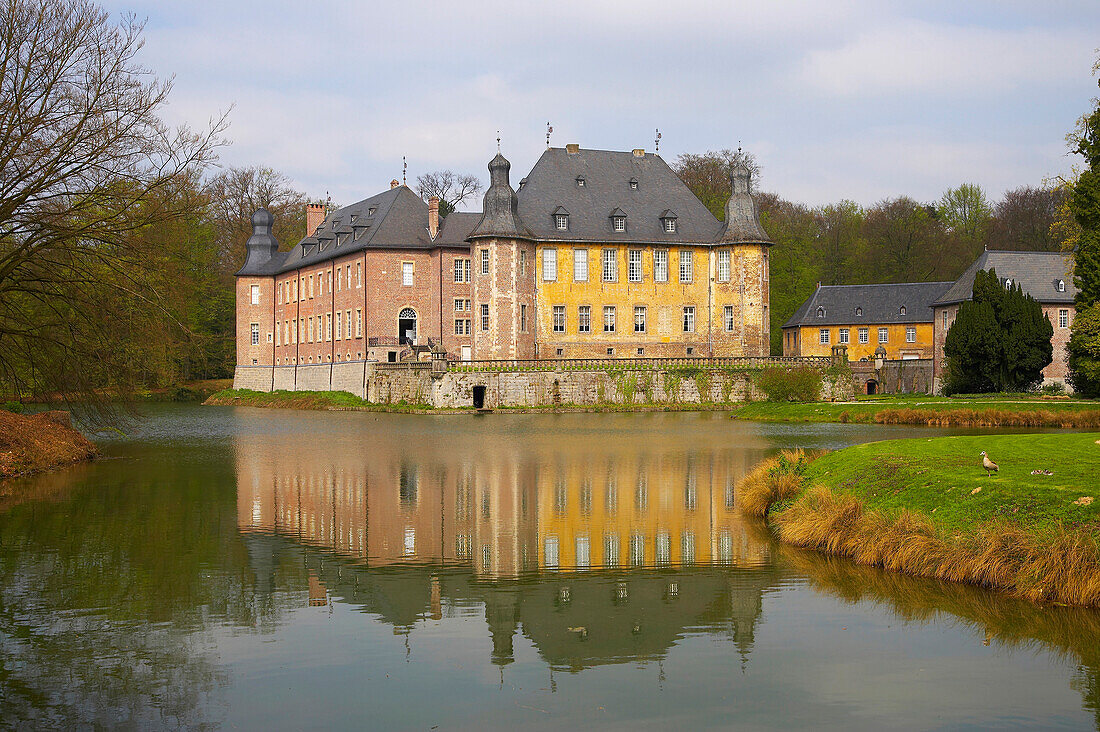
(561, 221)
(633, 184)
(618, 220)
(341, 238)
(580, 181)
(670, 226)
(821, 312)
(359, 231)
(371, 210)
(1008, 283)
(902, 310)
(668, 221)
(859, 312)
(354, 218)
(1060, 286)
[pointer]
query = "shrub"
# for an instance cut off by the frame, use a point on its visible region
(795, 385)
(13, 407)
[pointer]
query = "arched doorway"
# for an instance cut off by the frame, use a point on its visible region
(406, 326)
(872, 387)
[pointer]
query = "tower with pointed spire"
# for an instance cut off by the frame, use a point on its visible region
(503, 254)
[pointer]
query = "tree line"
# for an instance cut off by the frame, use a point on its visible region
(897, 239)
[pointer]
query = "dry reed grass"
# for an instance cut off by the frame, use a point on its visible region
(1056, 565)
(30, 444)
(1084, 419)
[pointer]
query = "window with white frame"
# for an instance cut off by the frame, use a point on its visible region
(255, 294)
(462, 327)
(347, 324)
(311, 287)
(689, 318)
(559, 319)
(945, 320)
(462, 270)
(727, 318)
(407, 274)
(1063, 318)
(359, 323)
(484, 261)
(328, 326)
(1061, 286)
(670, 225)
(580, 265)
(549, 264)
(639, 318)
(484, 317)
(309, 329)
(460, 305)
(608, 318)
(637, 550)
(584, 319)
(910, 334)
(523, 262)
(723, 265)
(610, 265)
(634, 265)
(660, 265)
(883, 335)
(619, 223)
(358, 274)
(843, 336)
(550, 552)
(523, 318)
(255, 334)
(561, 221)
(823, 336)
(864, 335)
(687, 266)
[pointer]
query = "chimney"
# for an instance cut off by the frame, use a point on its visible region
(433, 217)
(573, 148)
(315, 216)
(394, 183)
(639, 152)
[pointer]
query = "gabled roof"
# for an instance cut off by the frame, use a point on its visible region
(551, 185)
(456, 227)
(880, 304)
(1037, 273)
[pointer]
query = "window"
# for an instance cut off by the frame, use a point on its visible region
(608, 318)
(358, 274)
(580, 181)
(618, 223)
(523, 318)
(583, 553)
(255, 294)
(639, 319)
(689, 318)
(328, 327)
(945, 320)
(724, 265)
(311, 287)
(727, 318)
(843, 336)
(550, 552)
(584, 319)
(821, 312)
(310, 331)
(1008, 283)
(660, 265)
(859, 312)
(407, 274)
(1061, 287)
(687, 266)
(633, 184)
(580, 265)
(559, 318)
(863, 335)
(484, 317)
(670, 226)
(610, 265)
(462, 270)
(462, 327)
(347, 324)
(823, 336)
(484, 261)
(637, 550)
(255, 334)
(910, 334)
(561, 221)
(901, 311)
(634, 265)
(549, 265)
(523, 262)
(883, 335)
(359, 323)
(1063, 318)
(460, 305)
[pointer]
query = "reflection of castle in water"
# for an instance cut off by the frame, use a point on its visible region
(597, 553)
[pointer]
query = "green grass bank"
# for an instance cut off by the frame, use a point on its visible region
(925, 507)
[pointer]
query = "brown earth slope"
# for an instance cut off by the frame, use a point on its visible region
(32, 443)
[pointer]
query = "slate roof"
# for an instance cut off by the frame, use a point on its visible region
(552, 183)
(455, 228)
(1036, 272)
(880, 304)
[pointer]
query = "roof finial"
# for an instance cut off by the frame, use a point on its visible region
(498, 142)
(549, 129)
(657, 142)
(738, 147)
(404, 170)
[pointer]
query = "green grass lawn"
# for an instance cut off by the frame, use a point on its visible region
(303, 400)
(866, 408)
(939, 477)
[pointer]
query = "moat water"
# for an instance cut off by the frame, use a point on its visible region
(268, 569)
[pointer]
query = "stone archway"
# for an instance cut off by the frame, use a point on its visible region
(406, 326)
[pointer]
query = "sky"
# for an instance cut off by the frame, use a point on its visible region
(837, 100)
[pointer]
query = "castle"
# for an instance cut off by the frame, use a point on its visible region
(595, 254)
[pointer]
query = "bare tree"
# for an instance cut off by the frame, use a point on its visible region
(86, 165)
(236, 193)
(451, 188)
(1024, 219)
(708, 175)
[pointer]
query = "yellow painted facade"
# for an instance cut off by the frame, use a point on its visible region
(806, 340)
(729, 315)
